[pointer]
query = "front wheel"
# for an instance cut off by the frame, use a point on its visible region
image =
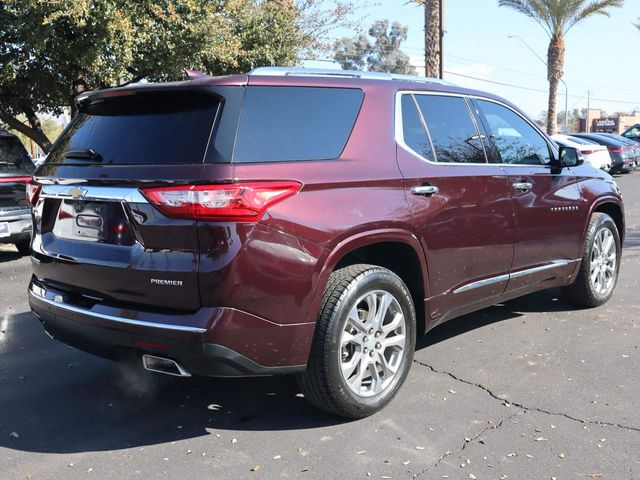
(600, 265)
(364, 342)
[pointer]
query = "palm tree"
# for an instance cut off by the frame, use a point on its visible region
(557, 17)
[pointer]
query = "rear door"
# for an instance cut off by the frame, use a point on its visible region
(97, 235)
(460, 202)
(548, 209)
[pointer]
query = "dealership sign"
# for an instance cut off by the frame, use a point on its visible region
(606, 122)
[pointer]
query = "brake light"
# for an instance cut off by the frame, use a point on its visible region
(587, 152)
(234, 202)
(15, 179)
(615, 149)
(33, 192)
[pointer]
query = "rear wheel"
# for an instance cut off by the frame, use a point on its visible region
(598, 273)
(364, 342)
(24, 247)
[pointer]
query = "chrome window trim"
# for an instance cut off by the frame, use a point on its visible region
(510, 276)
(399, 134)
(40, 294)
(110, 194)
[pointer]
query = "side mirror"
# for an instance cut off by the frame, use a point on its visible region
(570, 157)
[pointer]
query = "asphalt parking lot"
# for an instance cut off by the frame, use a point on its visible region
(532, 389)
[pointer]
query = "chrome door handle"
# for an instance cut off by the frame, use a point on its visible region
(425, 190)
(523, 186)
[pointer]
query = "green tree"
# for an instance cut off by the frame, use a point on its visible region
(383, 54)
(52, 51)
(557, 17)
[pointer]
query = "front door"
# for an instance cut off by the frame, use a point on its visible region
(548, 210)
(460, 203)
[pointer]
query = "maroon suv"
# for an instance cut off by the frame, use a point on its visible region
(307, 222)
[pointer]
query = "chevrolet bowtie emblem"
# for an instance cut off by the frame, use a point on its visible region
(77, 192)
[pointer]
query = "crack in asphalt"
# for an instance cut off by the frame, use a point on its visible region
(468, 441)
(527, 408)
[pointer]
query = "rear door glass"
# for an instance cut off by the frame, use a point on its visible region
(453, 133)
(413, 132)
(296, 123)
(143, 128)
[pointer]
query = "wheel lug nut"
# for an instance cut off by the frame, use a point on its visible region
(365, 350)
(370, 331)
(377, 334)
(365, 339)
(378, 345)
(371, 353)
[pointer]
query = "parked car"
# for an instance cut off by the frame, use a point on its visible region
(622, 156)
(15, 212)
(594, 154)
(306, 221)
(635, 146)
(632, 133)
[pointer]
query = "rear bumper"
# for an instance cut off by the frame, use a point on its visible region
(211, 342)
(20, 227)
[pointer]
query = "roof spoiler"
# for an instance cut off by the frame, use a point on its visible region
(194, 74)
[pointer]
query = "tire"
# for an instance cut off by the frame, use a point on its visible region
(345, 338)
(24, 247)
(586, 291)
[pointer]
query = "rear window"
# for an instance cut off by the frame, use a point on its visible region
(144, 128)
(14, 159)
(296, 123)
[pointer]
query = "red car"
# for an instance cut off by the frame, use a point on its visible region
(306, 222)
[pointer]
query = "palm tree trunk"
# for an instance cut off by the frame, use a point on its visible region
(555, 70)
(432, 38)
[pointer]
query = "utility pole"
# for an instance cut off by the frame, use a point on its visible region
(587, 121)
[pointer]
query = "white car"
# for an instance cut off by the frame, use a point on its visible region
(594, 154)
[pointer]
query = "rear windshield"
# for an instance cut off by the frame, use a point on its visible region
(295, 123)
(144, 128)
(14, 159)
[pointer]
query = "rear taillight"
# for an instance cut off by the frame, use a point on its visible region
(615, 149)
(234, 202)
(14, 179)
(587, 152)
(33, 192)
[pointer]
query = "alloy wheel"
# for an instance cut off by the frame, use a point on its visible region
(372, 343)
(604, 259)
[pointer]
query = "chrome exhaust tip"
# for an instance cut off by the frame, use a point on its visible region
(164, 365)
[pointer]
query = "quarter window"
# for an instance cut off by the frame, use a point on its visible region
(516, 140)
(280, 124)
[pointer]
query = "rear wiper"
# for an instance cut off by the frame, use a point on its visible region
(83, 154)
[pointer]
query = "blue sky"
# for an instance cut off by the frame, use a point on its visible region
(601, 52)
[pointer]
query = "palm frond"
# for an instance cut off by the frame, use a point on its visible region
(558, 16)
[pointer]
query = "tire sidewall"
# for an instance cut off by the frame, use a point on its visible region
(370, 281)
(601, 222)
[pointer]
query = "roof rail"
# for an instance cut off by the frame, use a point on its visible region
(321, 72)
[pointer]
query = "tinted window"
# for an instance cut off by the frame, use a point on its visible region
(452, 131)
(632, 132)
(517, 141)
(146, 128)
(296, 123)
(413, 132)
(14, 159)
(581, 141)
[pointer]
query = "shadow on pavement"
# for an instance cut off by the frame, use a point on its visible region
(9, 255)
(60, 400)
